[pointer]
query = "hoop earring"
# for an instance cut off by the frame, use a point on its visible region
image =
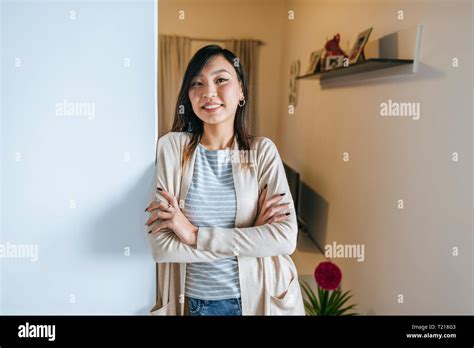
(243, 103)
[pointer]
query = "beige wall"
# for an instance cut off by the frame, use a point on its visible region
(407, 251)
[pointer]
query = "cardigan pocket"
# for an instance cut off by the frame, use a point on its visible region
(164, 310)
(285, 303)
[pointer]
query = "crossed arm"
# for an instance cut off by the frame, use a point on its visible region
(174, 239)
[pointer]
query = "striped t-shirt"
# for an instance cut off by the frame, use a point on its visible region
(211, 201)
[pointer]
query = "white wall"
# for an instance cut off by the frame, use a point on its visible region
(103, 162)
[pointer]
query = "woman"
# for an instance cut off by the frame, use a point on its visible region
(223, 224)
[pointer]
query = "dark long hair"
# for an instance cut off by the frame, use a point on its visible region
(185, 120)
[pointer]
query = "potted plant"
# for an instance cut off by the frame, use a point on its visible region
(330, 299)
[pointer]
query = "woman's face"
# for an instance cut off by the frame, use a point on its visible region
(215, 93)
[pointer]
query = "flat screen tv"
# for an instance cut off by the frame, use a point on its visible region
(294, 182)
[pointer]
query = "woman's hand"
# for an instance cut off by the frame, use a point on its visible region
(269, 210)
(170, 216)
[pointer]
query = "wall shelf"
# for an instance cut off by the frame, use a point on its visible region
(364, 66)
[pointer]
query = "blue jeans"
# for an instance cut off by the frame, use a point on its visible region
(198, 307)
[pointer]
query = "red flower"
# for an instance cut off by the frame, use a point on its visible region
(328, 275)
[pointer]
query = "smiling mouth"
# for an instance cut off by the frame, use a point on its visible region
(211, 107)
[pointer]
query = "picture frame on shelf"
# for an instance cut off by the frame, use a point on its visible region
(314, 62)
(333, 62)
(357, 52)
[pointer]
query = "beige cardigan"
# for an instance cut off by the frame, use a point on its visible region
(268, 277)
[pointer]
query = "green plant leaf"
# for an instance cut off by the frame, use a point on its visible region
(343, 310)
(310, 294)
(312, 300)
(316, 302)
(319, 299)
(324, 301)
(340, 312)
(336, 294)
(332, 307)
(335, 307)
(336, 301)
(341, 298)
(309, 305)
(332, 296)
(309, 309)
(320, 293)
(345, 300)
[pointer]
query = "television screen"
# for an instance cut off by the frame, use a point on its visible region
(294, 182)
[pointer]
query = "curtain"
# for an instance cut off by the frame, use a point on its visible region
(174, 53)
(247, 52)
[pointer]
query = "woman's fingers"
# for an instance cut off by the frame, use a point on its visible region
(169, 197)
(268, 208)
(261, 199)
(160, 215)
(276, 209)
(275, 199)
(152, 206)
(164, 212)
(278, 218)
(158, 205)
(159, 226)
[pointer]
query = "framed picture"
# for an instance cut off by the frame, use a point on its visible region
(314, 62)
(333, 62)
(294, 73)
(358, 47)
